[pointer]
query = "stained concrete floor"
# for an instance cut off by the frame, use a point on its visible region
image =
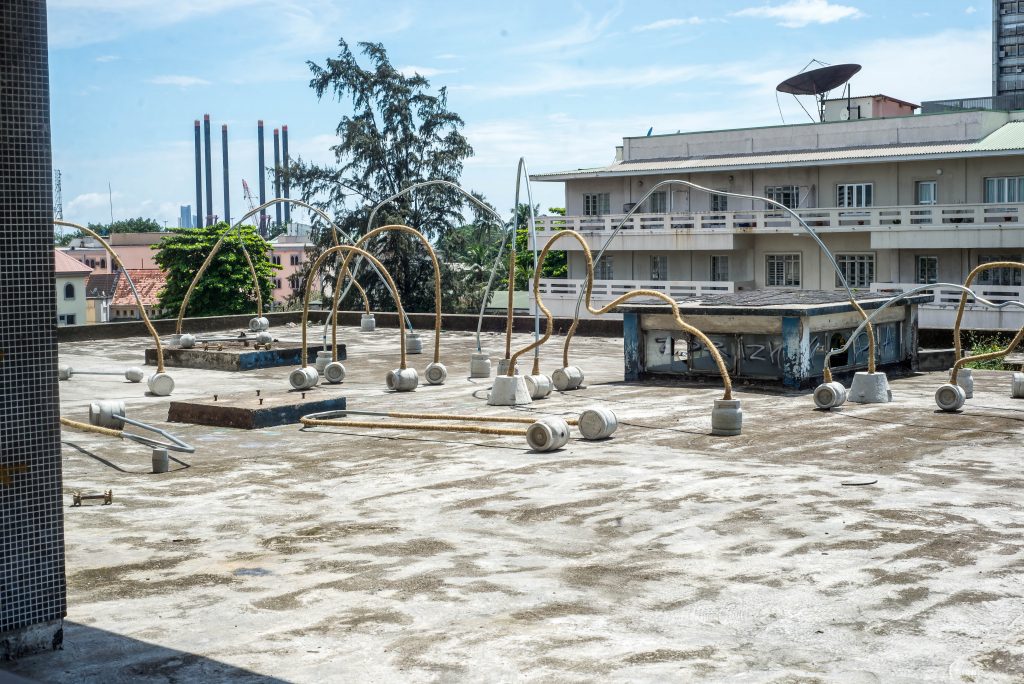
(663, 554)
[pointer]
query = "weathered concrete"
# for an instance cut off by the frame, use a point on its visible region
(662, 554)
(252, 411)
(234, 357)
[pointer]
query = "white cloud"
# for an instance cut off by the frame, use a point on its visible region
(427, 72)
(667, 24)
(799, 13)
(971, 9)
(107, 58)
(180, 81)
(586, 31)
(89, 202)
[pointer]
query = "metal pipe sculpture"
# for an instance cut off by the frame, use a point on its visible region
(160, 383)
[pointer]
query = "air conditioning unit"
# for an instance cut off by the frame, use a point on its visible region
(1002, 53)
(628, 207)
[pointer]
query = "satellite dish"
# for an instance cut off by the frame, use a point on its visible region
(818, 82)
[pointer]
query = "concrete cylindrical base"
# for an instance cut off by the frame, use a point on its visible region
(402, 379)
(480, 365)
(568, 378)
(187, 341)
(869, 388)
(539, 386)
(598, 423)
(950, 397)
(367, 323)
(304, 378)
(436, 374)
(334, 372)
(134, 374)
(161, 384)
(547, 434)
(509, 391)
(413, 343)
(65, 372)
(965, 379)
(174, 340)
(726, 417)
(503, 365)
(260, 323)
(1017, 386)
(263, 337)
(161, 461)
(322, 359)
(829, 395)
(101, 414)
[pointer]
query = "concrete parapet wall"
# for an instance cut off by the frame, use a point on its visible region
(421, 321)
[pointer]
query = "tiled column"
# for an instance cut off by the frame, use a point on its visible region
(32, 586)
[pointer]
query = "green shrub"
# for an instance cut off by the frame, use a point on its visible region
(979, 343)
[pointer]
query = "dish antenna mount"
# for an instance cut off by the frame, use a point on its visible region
(819, 82)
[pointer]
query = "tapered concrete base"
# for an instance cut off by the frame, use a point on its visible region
(869, 388)
(509, 391)
(480, 365)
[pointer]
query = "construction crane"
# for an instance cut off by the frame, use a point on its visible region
(252, 205)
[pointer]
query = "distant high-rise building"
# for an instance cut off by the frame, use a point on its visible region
(1007, 48)
(185, 216)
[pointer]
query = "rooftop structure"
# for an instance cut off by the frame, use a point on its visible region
(148, 282)
(862, 544)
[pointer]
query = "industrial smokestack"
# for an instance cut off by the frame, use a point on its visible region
(199, 175)
(209, 172)
(284, 153)
(227, 179)
(263, 179)
(277, 174)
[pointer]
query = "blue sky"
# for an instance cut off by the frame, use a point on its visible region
(558, 83)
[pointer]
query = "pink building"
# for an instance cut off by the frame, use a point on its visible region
(288, 252)
(134, 249)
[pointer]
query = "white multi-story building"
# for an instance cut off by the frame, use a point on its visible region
(899, 199)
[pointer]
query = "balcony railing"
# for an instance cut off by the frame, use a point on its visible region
(838, 219)
(607, 290)
(947, 297)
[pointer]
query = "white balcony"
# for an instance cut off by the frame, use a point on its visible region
(941, 312)
(560, 295)
(912, 218)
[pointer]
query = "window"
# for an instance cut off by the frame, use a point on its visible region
(927, 270)
(69, 291)
(927, 191)
(295, 259)
(70, 319)
(1005, 189)
(719, 202)
(277, 283)
(782, 270)
(606, 268)
(786, 195)
(659, 267)
(276, 258)
(719, 268)
(658, 202)
(855, 194)
(999, 276)
(858, 269)
(596, 203)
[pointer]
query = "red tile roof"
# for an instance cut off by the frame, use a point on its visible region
(65, 265)
(148, 281)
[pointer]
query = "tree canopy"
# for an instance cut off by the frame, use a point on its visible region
(226, 287)
(132, 225)
(395, 132)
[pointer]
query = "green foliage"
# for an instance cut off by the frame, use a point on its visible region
(980, 343)
(133, 225)
(555, 264)
(226, 287)
(394, 133)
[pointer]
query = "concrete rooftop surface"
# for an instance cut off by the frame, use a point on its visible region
(662, 554)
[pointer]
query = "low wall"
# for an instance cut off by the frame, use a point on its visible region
(421, 321)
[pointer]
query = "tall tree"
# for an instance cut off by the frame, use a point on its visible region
(395, 132)
(226, 287)
(132, 225)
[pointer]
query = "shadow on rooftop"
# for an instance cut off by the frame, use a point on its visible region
(95, 655)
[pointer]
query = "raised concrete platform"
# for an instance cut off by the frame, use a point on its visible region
(254, 410)
(234, 357)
